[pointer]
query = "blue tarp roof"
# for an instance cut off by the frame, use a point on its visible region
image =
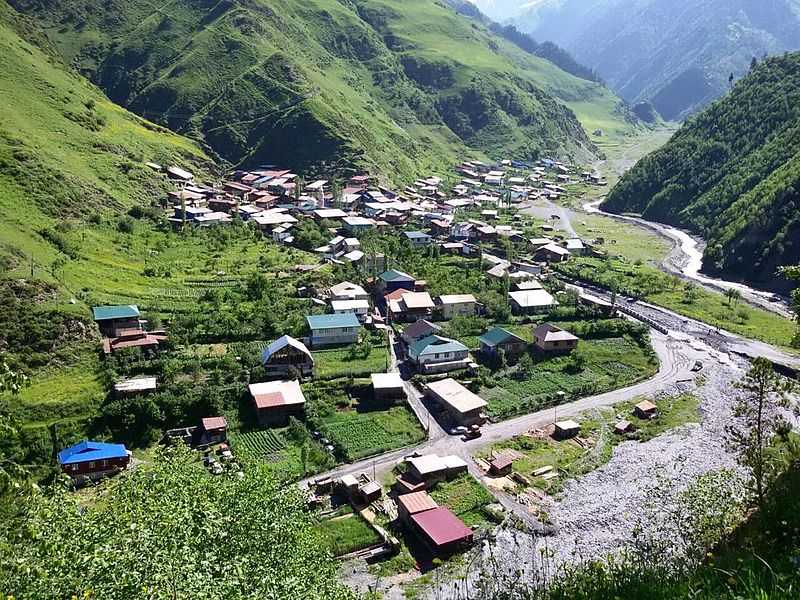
(415, 235)
(103, 313)
(332, 321)
(88, 450)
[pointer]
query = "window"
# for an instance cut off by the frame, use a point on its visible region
(91, 465)
(555, 343)
(74, 467)
(104, 463)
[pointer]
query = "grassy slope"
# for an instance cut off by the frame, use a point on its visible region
(65, 151)
(398, 87)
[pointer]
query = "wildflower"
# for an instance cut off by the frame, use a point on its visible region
(709, 555)
(731, 581)
(87, 593)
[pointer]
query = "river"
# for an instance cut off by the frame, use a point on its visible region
(691, 261)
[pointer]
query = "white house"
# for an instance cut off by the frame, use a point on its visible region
(359, 308)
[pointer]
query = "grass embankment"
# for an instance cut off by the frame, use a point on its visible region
(645, 282)
(570, 459)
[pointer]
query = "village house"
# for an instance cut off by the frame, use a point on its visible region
(329, 214)
(392, 280)
(465, 407)
(285, 356)
(388, 386)
(411, 306)
(348, 291)
(93, 460)
(436, 354)
(282, 235)
(456, 305)
(333, 330)
(359, 308)
(134, 338)
(576, 247)
(212, 430)
(413, 503)
(645, 410)
(550, 339)
(551, 253)
(525, 302)
(354, 225)
(275, 401)
(429, 469)
(418, 330)
(564, 430)
(418, 239)
(440, 227)
(501, 466)
(442, 531)
(497, 339)
(112, 319)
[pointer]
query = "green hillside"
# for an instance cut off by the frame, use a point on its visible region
(398, 87)
(732, 175)
(70, 163)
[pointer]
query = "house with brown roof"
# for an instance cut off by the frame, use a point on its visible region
(645, 410)
(414, 503)
(418, 330)
(275, 401)
(411, 306)
(212, 430)
(465, 407)
(134, 338)
(550, 339)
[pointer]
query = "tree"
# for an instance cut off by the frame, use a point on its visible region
(730, 80)
(525, 366)
(764, 392)
(793, 274)
(732, 294)
(167, 531)
(298, 186)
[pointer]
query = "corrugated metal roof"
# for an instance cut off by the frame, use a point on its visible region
(280, 344)
(434, 344)
(104, 313)
(442, 526)
(332, 321)
(416, 502)
(496, 336)
(394, 275)
(88, 450)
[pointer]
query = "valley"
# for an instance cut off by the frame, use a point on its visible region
(372, 299)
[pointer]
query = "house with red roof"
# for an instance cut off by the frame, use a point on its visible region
(213, 430)
(441, 530)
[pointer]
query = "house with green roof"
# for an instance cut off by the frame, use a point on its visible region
(437, 354)
(113, 319)
(333, 330)
(497, 339)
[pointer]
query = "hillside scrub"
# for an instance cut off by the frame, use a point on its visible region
(165, 531)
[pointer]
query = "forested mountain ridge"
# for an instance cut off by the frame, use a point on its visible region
(393, 87)
(677, 54)
(732, 175)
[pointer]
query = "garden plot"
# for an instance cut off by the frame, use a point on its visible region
(598, 365)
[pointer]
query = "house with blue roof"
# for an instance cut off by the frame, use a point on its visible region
(112, 319)
(437, 354)
(284, 355)
(93, 460)
(333, 330)
(497, 339)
